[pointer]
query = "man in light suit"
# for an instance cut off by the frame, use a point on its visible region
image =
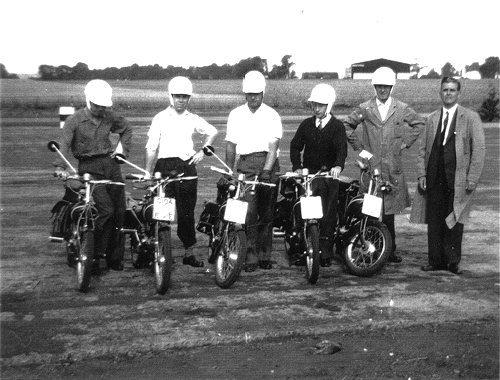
(449, 164)
(388, 127)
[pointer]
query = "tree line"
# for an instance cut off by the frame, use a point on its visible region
(489, 69)
(135, 72)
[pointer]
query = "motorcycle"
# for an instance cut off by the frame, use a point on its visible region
(74, 221)
(361, 240)
(224, 223)
(299, 214)
(147, 223)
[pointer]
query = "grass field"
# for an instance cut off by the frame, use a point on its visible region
(33, 97)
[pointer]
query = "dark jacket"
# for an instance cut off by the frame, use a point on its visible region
(325, 147)
(87, 137)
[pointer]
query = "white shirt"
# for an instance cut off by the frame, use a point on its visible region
(252, 131)
(451, 113)
(383, 108)
(172, 134)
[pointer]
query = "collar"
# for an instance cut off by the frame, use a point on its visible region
(451, 110)
(386, 104)
(324, 121)
(172, 112)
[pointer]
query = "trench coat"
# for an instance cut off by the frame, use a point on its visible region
(386, 139)
(470, 153)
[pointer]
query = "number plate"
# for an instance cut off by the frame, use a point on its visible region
(164, 209)
(236, 211)
(311, 208)
(372, 206)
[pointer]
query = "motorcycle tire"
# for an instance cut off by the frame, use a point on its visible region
(311, 240)
(85, 259)
(358, 259)
(231, 254)
(163, 259)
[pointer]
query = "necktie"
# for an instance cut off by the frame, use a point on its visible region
(445, 126)
(320, 124)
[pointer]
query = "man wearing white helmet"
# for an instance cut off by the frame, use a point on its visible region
(389, 126)
(87, 134)
(170, 139)
(323, 143)
(254, 131)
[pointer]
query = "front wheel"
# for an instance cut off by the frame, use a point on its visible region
(311, 239)
(85, 256)
(163, 258)
(231, 252)
(367, 259)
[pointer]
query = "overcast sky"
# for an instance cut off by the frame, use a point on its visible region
(320, 35)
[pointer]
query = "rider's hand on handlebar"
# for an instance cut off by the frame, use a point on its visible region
(61, 173)
(335, 171)
(298, 171)
(265, 176)
(422, 183)
(196, 158)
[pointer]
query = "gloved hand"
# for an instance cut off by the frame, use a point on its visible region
(61, 173)
(208, 150)
(265, 176)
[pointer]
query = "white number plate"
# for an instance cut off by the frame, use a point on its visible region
(236, 211)
(311, 208)
(372, 206)
(164, 209)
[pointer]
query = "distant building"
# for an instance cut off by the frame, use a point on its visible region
(320, 75)
(364, 70)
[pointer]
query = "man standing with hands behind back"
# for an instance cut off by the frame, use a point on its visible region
(449, 164)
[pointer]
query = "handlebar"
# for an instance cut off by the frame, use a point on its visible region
(87, 178)
(246, 182)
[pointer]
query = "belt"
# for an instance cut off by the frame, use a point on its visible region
(255, 154)
(87, 158)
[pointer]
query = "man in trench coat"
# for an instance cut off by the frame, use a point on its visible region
(389, 126)
(449, 164)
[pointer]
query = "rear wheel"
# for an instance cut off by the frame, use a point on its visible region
(311, 239)
(163, 258)
(85, 257)
(367, 259)
(230, 256)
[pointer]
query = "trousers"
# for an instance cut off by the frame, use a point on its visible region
(261, 203)
(110, 203)
(185, 194)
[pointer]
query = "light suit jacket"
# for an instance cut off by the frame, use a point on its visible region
(470, 152)
(383, 139)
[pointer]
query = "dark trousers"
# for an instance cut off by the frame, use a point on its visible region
(328, 190)
(388, 220)
(444, 244)
(261, 203)
(185, 194)
(110, 204)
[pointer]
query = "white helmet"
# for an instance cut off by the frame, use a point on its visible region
(98, 92)
(324, 94)
(254, 82)
(384, 76)
(179, 86)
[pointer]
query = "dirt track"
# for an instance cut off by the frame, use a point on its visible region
(50, 330)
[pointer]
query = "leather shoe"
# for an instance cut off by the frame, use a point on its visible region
(393, 258)
(191, 260)
(325, 263)
(251, 267)
(453, 268)
(117, 265)
(429, 268)
(265, 264)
